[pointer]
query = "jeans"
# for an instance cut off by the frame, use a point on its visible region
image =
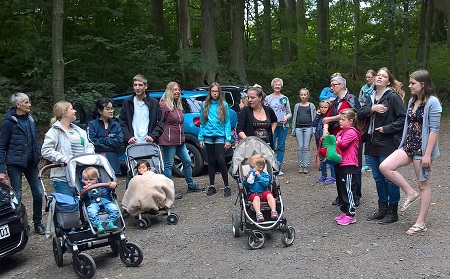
(387, 191)
(182, 153)
(110, 208)
(303, 136)
(280, 133)
(62, 187)
(323, 169)
(367, 161)
(31, 173)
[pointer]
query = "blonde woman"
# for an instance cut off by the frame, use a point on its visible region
(63, 141)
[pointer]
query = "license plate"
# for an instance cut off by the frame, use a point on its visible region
(4, 231)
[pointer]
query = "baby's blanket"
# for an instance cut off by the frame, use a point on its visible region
(148, 191)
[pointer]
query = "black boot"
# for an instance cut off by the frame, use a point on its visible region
(382, 211)
(391, 216)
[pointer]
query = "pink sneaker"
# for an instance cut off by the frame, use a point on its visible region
(338, 218)
(347, 220)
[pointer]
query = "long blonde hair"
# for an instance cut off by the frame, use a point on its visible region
(168, 97)
(59, 109)
(207, 104)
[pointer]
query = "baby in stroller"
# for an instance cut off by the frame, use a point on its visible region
(99, 197)
(257, 182)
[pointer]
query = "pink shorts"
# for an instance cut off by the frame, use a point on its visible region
(262, 196)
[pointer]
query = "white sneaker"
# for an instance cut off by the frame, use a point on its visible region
(280, 173)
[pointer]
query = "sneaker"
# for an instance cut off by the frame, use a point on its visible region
(338, 218)
(226, 191)
(211, 190)
(300, 169)
(321, 179)
(366, 168)
(305, 170)
(280, 173)
(259, 217)
(274, 215)
(39, 229)
(110, 227)
(178, 196)
(336, 201)
(195, 188)
(347, 220)
(330, 180)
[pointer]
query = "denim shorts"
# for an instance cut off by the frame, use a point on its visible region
(213, 140)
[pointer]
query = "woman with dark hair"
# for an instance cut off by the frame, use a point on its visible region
(105, 133)
(419, 146)
(215, 135)
(257, 119)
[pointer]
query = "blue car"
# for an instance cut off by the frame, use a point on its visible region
(191, 101)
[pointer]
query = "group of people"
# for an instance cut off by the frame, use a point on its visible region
(393, 135)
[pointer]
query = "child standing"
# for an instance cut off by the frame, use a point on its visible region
(259, 187)
(90, 176)
(318, 124)
(348, 140)
(304, 113)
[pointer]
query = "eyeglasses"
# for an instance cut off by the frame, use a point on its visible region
(109, 109)
(336, 84)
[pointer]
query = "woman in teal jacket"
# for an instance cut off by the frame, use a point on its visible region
(215, 134)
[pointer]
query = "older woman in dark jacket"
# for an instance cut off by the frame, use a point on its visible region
(20, 152)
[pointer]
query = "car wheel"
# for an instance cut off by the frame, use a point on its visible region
(197, 162)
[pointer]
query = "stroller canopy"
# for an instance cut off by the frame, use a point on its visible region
(144, 151)
(249, 147)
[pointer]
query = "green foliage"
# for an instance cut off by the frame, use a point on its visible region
(88, 93)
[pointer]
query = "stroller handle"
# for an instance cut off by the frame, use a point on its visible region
(93, 186)
(51, 166)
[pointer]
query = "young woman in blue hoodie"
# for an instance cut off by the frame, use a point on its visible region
(215, 135)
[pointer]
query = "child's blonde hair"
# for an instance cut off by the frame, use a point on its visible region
(258, 160)
(304, 90)
(325, 102)
(90, 172)
(350, 114)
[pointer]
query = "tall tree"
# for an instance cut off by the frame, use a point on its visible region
(392, 43)
(57, 51)
(237, 52)
(405, 47)
(423, 46)
(356, 53)
(284, 30)
(292, 19)
(185, 43)
(267, 38)
(208, 42)
(322, 31)
(157, 21)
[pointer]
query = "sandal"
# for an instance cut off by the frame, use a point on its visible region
(416, 229)
(409, 201)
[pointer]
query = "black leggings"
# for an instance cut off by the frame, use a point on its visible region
(216, 152)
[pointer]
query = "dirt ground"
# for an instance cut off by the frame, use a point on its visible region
(202, 244)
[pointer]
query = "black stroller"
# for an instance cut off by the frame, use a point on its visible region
(69, 226)
(245, 220)
(151, 153)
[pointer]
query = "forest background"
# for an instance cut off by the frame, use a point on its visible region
(80, 50)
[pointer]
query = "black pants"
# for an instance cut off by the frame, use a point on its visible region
(346, 180)
(216, 152)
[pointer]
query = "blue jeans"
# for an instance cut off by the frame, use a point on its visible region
(110, 208)
(387, 191)
(31, 173)
(303, 136)
(367, 161)
(280, 133)
(62, 187)
(323, 169)
(182, 153)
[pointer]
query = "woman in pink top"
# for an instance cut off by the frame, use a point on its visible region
(348, 140)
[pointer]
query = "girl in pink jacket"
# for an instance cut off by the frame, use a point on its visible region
(348, 141)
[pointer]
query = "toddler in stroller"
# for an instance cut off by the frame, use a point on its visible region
(256, 215)
(99, 197)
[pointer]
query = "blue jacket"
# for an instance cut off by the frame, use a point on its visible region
(106, 142)
(13, 139)
(215, 128)
(261, 184)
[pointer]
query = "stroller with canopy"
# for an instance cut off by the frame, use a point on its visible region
(68, 223)
(245, 220)
(156, 195)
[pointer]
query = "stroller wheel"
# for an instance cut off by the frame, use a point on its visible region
(288, 237)
(172, 219)
(236, 225)
(131, 254)
(84, 266)
(143, 223)
(256, 240)
(58, 251)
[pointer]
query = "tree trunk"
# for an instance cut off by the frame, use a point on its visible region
(57, 51)
(185, 43)
(405, 47)
(292, 19)
(237, 52)
(267, 39)
(356, 54)
(284, 41)
(157, 21)
(208, 42)
(448, 28)
(302, 26)
(322, 31)
(392, 45)
(428, 33)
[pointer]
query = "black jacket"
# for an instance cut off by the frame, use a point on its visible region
(155, 126)
(377, 143)
(245, 121)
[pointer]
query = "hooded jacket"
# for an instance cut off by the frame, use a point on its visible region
(173, 130)
(213, 127)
